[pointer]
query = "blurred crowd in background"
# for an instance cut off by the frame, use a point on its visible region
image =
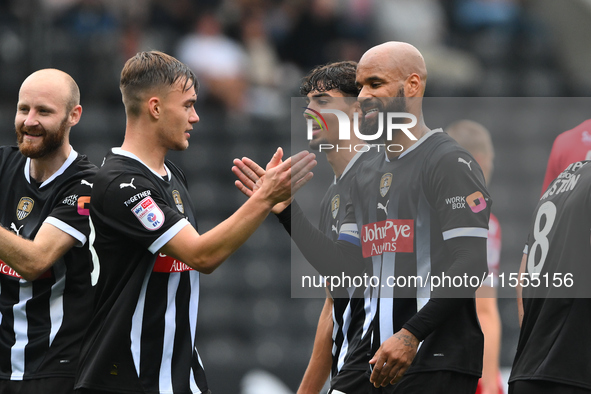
(256, 50)
(250, 56)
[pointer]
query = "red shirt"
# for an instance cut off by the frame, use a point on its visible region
(570, 146)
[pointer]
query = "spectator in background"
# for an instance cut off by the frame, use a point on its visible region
(476, 139)
(570, 146)
(452, 70)
(263, 67)
(219, 61)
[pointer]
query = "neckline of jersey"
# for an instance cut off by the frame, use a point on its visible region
(416, 144)
(122, 152)
(71, 157)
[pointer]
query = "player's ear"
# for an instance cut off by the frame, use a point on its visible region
(154, 107)
(74, 115)
(413, 85)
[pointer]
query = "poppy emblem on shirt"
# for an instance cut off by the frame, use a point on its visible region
(24, 207)
(177, 200)
(334, 205)
(385, 183)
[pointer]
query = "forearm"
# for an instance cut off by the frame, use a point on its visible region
(490, 321)
(325, 255)
(321, 360)
(31, 258)
(469, 259)
(207, 251)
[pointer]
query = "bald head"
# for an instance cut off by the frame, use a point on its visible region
(398, 57)
(58, 83)
(472, 136)
(475, 138)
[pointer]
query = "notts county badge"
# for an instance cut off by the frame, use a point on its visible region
(334, 205)
(385, 183)
(177, 200)
(24, 207)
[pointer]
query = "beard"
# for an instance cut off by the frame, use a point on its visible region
(51, 142)
(394, 104)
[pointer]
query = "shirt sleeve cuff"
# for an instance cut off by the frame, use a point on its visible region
(66, 228)
(167, 236)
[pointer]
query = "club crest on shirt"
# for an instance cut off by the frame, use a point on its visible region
(24, 207)
(334, 205)
(385, 183)
(177, 200)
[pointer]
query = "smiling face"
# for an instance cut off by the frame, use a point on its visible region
(381, 92)
(386, 75)
(42, 120)
(178, 116)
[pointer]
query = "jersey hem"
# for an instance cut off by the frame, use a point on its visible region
(120, 390)
(41, 376)
(551, 379)
(457, 370)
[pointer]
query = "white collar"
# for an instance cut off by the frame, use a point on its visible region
(349, 165)
(416, 144)
(71, 157)
(121, 152)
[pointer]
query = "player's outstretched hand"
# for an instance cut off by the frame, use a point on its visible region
(393, 358)
(280, 182)
(248, 173)
(251, 176)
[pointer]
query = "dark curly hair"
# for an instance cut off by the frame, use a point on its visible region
(337, 75)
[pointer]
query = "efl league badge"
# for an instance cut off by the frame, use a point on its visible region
(334, 205)
(385, 183)
(24, 207)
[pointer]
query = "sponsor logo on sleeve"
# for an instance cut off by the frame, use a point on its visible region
(334, 205)
(392, 235)
(24, 207)
(168, 264)
(130, 184)
(461, 160)
(71, 200)
(476, 202)
(149, 214)
(83, 205)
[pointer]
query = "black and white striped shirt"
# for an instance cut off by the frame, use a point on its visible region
(142, 334)
(42, 321)
(351, 309)
(402, 213)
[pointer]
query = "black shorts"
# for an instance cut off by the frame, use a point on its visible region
(438, 382)
(38, 386)
(544, 387)
(417, 383)
(350, 382)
